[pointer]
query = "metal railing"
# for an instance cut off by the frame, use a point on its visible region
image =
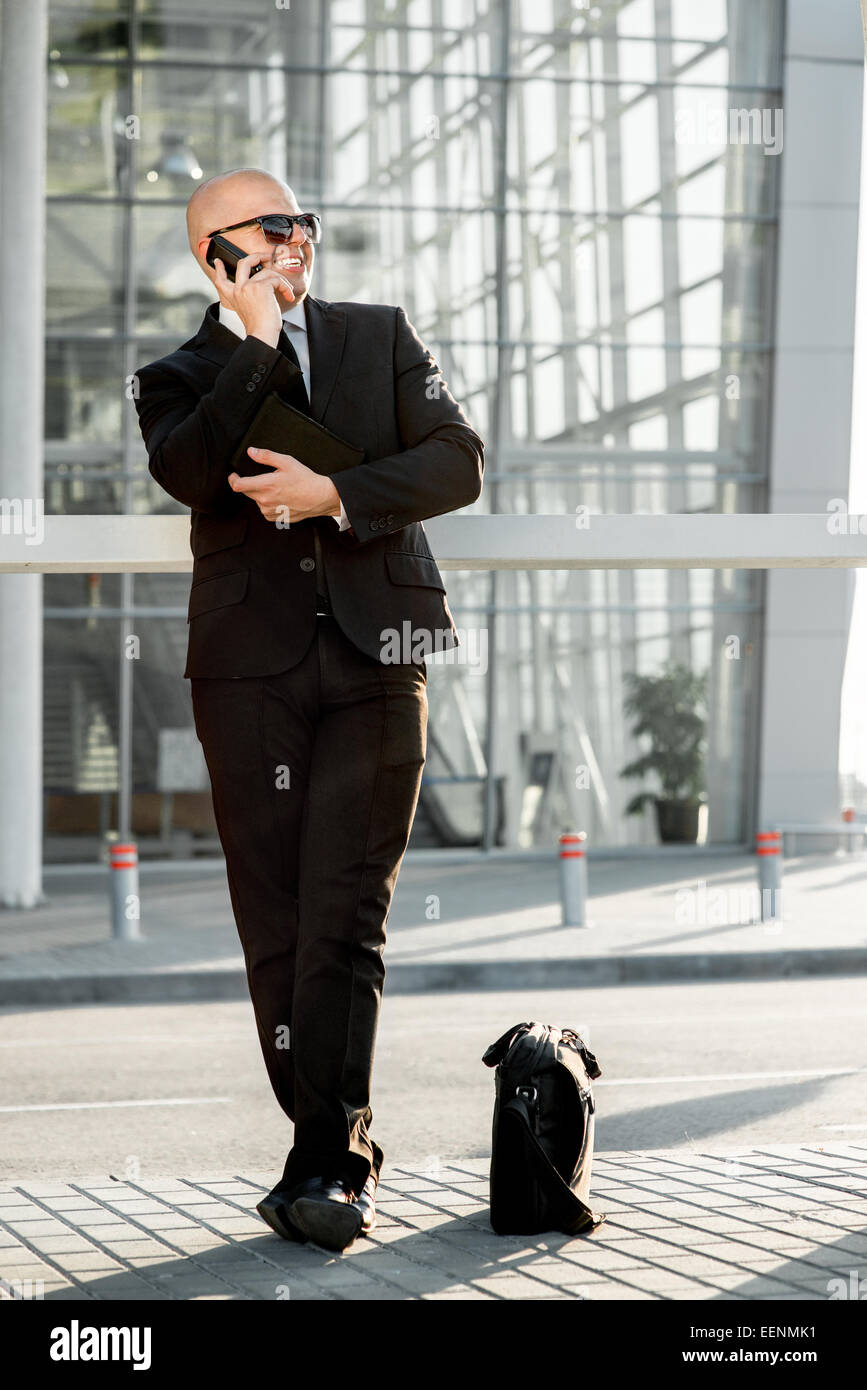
(118, 544)
(128, 544)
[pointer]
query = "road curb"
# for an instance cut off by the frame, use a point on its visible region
(170, 986)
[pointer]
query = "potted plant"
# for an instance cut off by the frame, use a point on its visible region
(668, 709)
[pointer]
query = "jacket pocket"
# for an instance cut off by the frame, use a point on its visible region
(212, 533)
(219, 592)
(405, 567)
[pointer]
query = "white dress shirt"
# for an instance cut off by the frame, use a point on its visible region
(295, 323)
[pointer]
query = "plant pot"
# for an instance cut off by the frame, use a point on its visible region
(678, 821)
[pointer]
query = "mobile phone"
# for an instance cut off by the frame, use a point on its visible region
(226, 251)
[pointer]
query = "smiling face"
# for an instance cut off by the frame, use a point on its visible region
(244, 193)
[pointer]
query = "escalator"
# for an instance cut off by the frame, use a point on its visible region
(451, 806)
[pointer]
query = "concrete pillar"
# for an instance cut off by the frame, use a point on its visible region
(807, 613)
(23, 45)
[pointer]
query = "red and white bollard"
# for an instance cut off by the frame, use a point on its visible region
(849, 818)
(769, 850)
(573, 878)
(125, 901)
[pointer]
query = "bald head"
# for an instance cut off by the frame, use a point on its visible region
(232, 197)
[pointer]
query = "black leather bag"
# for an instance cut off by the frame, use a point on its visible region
(542, 1145)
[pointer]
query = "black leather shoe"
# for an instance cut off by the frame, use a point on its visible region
(366, 1200)
(275, 1211)
(326, 1211)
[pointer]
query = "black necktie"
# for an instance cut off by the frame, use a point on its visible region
(297, 396)
(297, 393)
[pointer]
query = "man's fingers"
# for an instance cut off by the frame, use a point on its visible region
(285, 282)
(268, 277)
(274, 460)
(229, 288)
(251, 486)
(245, 265)
(222, 282)
(264, 455)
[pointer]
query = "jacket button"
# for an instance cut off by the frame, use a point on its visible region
(389, 518)
(257, 376)
(308, 564)
(260, 367)
(251, 386)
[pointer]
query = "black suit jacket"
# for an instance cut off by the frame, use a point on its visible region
(373, 382)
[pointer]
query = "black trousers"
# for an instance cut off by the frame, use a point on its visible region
(315, 774)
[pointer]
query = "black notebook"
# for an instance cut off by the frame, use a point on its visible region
(289, 431)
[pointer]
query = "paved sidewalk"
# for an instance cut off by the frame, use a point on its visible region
(460, 923)
(778, 1223)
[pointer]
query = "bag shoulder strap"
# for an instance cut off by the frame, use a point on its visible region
(547, 1173)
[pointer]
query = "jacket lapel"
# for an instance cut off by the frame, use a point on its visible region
(326, 335)
(214, 340)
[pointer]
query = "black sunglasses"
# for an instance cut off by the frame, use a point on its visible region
(278, 226)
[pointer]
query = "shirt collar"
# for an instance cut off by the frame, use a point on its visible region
(294, 315)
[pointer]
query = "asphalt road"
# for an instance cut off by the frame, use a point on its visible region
(181, 1089)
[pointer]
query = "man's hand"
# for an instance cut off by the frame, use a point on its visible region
(253, 298)
(293, 492)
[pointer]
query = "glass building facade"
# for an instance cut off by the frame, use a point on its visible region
(577, 209)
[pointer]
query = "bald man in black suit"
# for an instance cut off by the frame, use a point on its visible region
(313, 733)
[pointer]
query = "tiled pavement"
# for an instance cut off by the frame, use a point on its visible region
(775, 1223)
